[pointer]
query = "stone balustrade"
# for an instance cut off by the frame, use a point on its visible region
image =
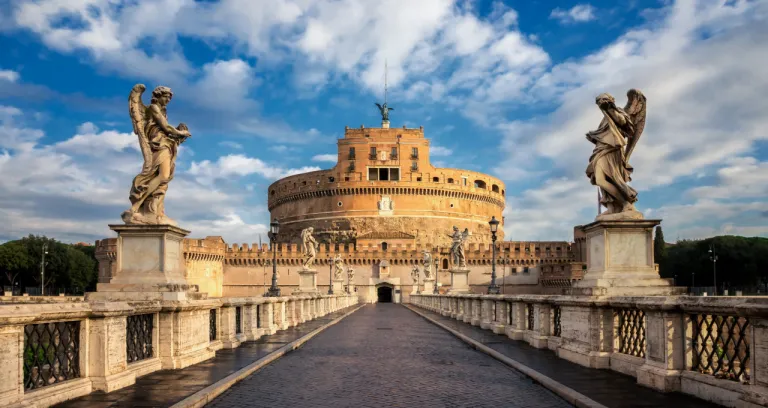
(715, 348)
(55, 351)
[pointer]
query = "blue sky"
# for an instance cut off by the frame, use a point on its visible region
(267, 87)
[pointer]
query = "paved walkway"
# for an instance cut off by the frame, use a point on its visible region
(166, 387)
(384, 355)
(607, 387)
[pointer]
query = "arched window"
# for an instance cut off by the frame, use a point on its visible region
(495, 188)
(384, 246)
(479, 184)
(445, 263)
(272, 192)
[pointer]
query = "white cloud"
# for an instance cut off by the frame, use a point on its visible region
(438, 151)
(577, 14)
(331, 158)
(8, 75)
(697, 118)
(239, 165)
(232, 145)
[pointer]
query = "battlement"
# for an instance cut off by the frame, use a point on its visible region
(384, 133)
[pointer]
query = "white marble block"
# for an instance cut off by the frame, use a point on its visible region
(307, 281)
(459, 280)
(429, 286)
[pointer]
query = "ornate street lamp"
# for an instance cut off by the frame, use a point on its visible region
(493, 288)
(274, 229)
(330, 275)
(437, 279)
(713, 258)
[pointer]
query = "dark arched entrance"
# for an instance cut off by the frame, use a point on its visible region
(384, 294)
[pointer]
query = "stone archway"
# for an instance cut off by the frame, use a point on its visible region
(384, 294)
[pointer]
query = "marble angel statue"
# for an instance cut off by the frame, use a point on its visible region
(338, 268)
(159, 143)
(457, 246)
(615, 139)
(415, 274)
(308, 247)
(426, 261)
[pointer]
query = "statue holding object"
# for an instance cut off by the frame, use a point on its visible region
(159, 143)
(308, 247)
(615, 140)
(457, 246)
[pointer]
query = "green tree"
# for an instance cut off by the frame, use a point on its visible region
(13, 260)
(659, 248)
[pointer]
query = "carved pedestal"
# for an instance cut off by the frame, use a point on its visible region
(150, 266)
(429, 286)
(307, 281)
(620, 261)
(338, 286)
(415, 288)
(459, 280)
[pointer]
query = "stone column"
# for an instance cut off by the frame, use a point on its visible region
(338, 286)
(665, 354)
(250, 322)
(516, 331)
(540, 336)
(499, 324)
(228, 332)
(184, 333)
(429, 286)
(587, 333)
(477, 310)
(107, 359)
(468, 308)
(487, 310)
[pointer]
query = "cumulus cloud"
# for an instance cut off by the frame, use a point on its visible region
(8, 75)
(331, 158)
(439, 151)
(240, 165)
(577, 14)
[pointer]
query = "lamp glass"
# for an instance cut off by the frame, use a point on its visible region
(494, 223)
(274, 227)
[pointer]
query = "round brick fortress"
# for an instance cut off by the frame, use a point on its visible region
(384, 189)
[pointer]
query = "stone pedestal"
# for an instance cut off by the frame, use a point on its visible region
(459, 280)
(414, 288)
(429, 286)
(385, 124)
(307, 281)
(620, 261)
(351, 287)
(150, 266)
(338, 286)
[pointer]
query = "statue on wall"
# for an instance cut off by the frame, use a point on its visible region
(386, 204)
(427, 263)
(159, 143)
(309, 247)
(351, 274)
(384, 109)
(457, 246)
(415, 274)
(614, 140)
(338, 271)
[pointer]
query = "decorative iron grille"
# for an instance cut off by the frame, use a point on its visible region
(556, 320)
(212, 325)
(138, 339)
(238, 320)
(631, 332)
(510, 313)
(721, 346)
(51, 353)
(258, 316)
(529, 310)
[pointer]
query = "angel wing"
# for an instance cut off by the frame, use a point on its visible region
(377, 104)
(465, 234)
(137, 110)
(388, 108)
(636, 110)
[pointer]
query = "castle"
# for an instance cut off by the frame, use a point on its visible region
(379, 207)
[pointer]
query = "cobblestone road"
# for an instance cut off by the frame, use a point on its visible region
(386, 356)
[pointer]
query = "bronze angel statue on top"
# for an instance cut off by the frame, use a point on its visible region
(614, 140)
(384, 110)
(159, 143)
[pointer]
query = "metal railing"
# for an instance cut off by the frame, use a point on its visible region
(138, 338)
(721, 346)
(631, 331)
(51, 353)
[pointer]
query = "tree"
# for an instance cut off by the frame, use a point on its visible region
(659, 247)
(13, 260)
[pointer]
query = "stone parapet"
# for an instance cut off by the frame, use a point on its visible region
(105, 345)
(711, 347)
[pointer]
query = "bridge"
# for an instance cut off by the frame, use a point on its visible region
(439, 350)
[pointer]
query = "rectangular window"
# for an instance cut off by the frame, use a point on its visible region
(394, 174)
(414, 152)
(384, 174)
(373, 174)
(373, 151)
(465, 180)
(415, 166)
(351, 153)
(393, 153)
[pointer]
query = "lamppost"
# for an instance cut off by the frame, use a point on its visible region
(504, 273)
(348, 291)
(42, 270)
(713, 258)
(437, 278)
(274, 229)
(493, 289)
(330, 274)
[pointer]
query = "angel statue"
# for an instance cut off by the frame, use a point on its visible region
(457, 246)
(427, 263)
(614, 140)
(384, 109)
(415, 274)
(308, 247)
(159, 143)
(350, 274)
(338, 271)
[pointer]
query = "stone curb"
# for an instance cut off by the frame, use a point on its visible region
(207, 394)
(568, 394)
